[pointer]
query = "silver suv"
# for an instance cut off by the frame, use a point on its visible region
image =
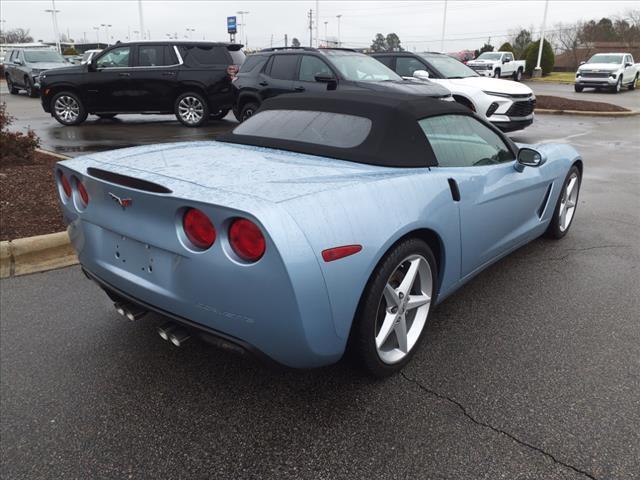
(23, 66)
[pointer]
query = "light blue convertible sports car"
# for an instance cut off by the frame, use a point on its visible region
(320, 224)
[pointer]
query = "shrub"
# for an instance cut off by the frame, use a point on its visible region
(547, 61)
(506, 47)
(17, 148)
(70, 51)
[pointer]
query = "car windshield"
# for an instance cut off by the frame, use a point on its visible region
(358, 67)
(43, 56)
(489, 56)
(449, 67)
(601, 58)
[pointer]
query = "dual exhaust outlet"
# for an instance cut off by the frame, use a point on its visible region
(170, 331)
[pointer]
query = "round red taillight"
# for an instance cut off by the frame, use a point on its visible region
(247, 240)
(66, 186)
(84, 196)
(198, 228)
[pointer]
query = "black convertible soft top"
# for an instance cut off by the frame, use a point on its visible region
(394, 140)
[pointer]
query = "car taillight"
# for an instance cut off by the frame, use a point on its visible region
(84, 196)
(247, 240)
(198, 228)
(66, 186)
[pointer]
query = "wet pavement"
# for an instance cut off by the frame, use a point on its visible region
(530, 371)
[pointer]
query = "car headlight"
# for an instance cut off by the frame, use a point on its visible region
(497, 94)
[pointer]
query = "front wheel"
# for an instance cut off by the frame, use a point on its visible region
(67, 108)
(13, 90)
(31, 90)
(394, 308)
(496, 73)
(578, 88)
(566, 207)
(219, 115)
(618, 86)
(191, 110)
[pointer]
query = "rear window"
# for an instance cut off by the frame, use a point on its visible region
(156, 55)
(203, 55)
(321, 128)
(252, 62)
(283, 67)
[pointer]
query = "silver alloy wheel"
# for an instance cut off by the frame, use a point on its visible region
(67, 108)
(619, 85)
(248, 113)
(518, 75)
(191, 110)
(568, 202)
(403, 309)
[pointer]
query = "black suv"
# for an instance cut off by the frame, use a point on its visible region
(275, 71)
(189, 79)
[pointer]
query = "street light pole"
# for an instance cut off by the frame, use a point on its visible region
(326, 40)
(141, 18)
(317, 22)
(444, 24)
(54, 20)
(242, 13)
(339, 42)
(190, 31)
(97, 29)
(106, 27)
(537, 72)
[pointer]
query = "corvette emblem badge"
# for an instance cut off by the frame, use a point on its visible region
(123, 202)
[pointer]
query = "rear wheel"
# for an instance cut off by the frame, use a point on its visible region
(67, 108)
(394, 308)
(566, 207)
(578, 88)
(191, 110)
(248, 109)
(106, 116)
(632, 85)
(29, 87)
(219, 115)
(517, 76)
(13, 90)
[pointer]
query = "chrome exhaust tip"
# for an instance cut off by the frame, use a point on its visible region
(165, 330)
(179, 336)
(135, 313)
(120, 309)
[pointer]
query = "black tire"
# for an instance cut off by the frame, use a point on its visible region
(618, 86)
(248, 109)
(496, 73)
(632, 85)
(198, 116)
(554, 230)
(578, 88)
(68, 97)
(362, 341)
(106, 116)
(220, 115)
(517, 75)
(31, 90)
(13, 90)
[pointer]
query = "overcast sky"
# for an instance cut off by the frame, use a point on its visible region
(418, 23)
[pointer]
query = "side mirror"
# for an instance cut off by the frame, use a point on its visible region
(582, 62)
(421, 74)
(17, 61)
(327, 78)
(504, 60)
(628, 65)
(528, 157)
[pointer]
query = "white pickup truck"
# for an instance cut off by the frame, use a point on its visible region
(497, 65)
(607, 70)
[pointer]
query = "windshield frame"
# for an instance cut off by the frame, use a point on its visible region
(336, 59)
(429, 57)
(58, 58)
(610, 55)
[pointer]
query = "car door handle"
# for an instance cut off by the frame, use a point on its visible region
(124, 74)
(263, 84)
(168, 74)
(299, 89)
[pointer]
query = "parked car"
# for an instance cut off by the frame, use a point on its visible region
(325, 221)
(498, 65)
(88, 55)
(608, 70)
(508, 105)
(275, 71)
(23, 67)
(189, 79)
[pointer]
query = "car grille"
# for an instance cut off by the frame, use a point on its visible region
(522, 108)
(480, 67)
(595, 74)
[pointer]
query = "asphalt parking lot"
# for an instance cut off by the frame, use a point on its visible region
(531, 371)
(626, 98)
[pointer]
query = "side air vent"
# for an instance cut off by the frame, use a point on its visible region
(545, 201)
(127, 181)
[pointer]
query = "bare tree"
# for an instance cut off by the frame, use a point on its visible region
(568, 39)
(18, 35)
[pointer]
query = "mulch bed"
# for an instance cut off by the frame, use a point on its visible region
(549, 102)
(29, 199)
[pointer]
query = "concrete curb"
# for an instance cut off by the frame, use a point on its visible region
(589, 113)
(36, 254)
